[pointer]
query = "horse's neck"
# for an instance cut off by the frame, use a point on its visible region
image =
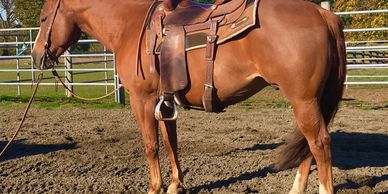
(112, 23)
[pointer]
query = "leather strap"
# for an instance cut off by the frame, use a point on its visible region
(208, 98)
(173, 68)
(153, 34)
(139, 68)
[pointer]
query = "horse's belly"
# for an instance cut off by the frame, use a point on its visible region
(234, 91)
(229, 91)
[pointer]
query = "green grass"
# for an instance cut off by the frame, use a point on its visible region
(57, 101)
(50, 105)
(352, 102)
(87, 91)
(265, 102)
(370, 72)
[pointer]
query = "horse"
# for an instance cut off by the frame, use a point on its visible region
(296, 46)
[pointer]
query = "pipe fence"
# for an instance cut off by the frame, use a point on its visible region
(367, 57)
(17, 45)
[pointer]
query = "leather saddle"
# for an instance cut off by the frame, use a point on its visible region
(170, 5)
(188, 12)
(175, 27)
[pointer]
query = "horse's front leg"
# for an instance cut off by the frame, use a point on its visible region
(168, 129)
(143, 109)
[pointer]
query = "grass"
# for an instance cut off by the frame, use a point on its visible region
(370, 72)
(57, 101)
(87, 91)
(253, 101)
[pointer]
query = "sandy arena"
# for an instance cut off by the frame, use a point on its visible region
(74, 150)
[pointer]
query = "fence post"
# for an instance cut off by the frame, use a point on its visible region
(106, 72)
(18, 65)
(120, 93)
(326, 5)
(32, 60)
(69, 74)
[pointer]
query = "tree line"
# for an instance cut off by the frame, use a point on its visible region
(20, 13)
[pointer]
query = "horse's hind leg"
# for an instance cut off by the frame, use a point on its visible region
(168, 129)
(143, 109)
(302, 176)
(311, 123)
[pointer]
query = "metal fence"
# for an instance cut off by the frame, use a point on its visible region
(361, 55)
(369, 55)
(19, 43)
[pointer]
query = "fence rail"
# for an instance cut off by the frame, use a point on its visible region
(364, 50)
(362, 12)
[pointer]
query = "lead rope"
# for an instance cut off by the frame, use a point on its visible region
(24, 115)
(58, 78)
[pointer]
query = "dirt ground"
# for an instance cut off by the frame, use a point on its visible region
(74, 150)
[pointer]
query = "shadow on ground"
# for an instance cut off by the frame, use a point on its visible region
(358, 182)
(19, 149)
(350, 150)
(356, 150)
(225, 183)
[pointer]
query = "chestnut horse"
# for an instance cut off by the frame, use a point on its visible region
(297, 46)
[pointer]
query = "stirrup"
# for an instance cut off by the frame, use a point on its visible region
(158, 112)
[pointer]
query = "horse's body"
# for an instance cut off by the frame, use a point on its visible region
(297, 46)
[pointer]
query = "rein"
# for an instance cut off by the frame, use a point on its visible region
(47, 53)
(139, 68)
(50, 55)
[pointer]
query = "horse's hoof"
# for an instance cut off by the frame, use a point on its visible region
(294, 191)
(153, 191)
(173, 189)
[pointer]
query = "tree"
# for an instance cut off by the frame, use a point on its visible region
(8, 19)
(27, 12)
(363, 20)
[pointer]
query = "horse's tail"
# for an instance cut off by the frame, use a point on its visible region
(296, 149)
(333, 90)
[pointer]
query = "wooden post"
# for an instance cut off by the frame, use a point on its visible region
(326, 5)
(69, 74)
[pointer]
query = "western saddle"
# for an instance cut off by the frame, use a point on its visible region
(174, 27)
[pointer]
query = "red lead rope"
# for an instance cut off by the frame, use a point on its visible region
(58, 78)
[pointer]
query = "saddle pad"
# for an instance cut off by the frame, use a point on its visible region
(196, 40)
